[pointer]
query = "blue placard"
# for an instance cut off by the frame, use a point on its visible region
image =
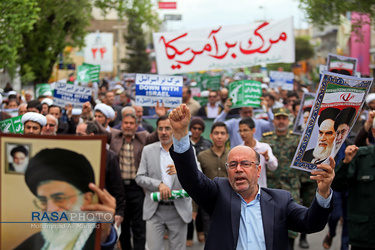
(281, 79)
(150, 89)
(72, 94)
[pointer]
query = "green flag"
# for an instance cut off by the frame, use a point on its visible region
(12, 125)
(42, 89)
(88, 72)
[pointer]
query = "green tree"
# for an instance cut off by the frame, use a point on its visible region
(304, 50)
(17, 17)
(139, 14)
(60, 24)
(323, 12)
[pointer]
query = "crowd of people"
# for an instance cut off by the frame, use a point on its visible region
(140, 161)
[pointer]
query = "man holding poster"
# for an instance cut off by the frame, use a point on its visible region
(245, 94)
(337, 102)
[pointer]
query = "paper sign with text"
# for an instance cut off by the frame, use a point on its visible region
(245, 93)
(149, 89)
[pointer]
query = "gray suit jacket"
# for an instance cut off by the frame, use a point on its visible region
(149, 177)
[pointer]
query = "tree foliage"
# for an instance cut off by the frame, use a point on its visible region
(138, 14)
(60, 24)
(304, 50)
(17, 17)
(323, 12)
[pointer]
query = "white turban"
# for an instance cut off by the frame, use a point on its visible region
(370, 98)
(47, 101)
(106, 110)
(34, 117)
(76, 111)
(1, 99)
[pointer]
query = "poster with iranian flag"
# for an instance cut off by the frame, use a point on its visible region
(337, 105)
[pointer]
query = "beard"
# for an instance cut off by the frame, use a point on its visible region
(322, 152)
(57, 236)
(21, 167)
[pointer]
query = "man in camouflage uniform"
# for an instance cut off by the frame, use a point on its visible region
(284, 145)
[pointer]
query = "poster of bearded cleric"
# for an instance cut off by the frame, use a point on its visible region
(337, 105)
(41, 204)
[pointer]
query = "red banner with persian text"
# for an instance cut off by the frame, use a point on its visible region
(225, 47)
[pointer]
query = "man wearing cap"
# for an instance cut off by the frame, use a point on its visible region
(284, 145)
(104, 114)
(63, 180)
(51, 125)
(261, 125)
(20, 160)
(326, 137)
(33, 123)
(197, 127)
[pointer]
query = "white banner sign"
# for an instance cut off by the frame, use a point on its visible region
(225, 47)
(99, 50)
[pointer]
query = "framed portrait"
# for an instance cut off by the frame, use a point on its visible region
(16, 158)
(50, 160)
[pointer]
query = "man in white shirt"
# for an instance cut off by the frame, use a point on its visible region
(157, 173)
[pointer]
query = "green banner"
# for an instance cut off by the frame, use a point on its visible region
(88, 72)
(42, 89)
(245, 93)
(12, 125)
(208, 82)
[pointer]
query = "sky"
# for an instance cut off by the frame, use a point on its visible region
(197, 14)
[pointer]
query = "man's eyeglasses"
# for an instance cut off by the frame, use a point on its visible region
(51, 125)
(197, 128)
(59, 200)
(243, 164)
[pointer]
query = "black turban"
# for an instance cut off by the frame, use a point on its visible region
(345, 117)
(59, 165)
(19, 149)
(328, 113)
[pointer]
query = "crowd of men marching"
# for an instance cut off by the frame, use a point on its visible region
(138, 160)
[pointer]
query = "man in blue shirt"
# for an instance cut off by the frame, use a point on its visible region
(244, 216)
(262, 126)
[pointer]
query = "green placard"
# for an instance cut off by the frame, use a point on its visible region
(88, 72)
(12, 125)
(42, 88)
(245, 93)
(208, 82)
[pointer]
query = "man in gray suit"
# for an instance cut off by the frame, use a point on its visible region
(157, 173)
